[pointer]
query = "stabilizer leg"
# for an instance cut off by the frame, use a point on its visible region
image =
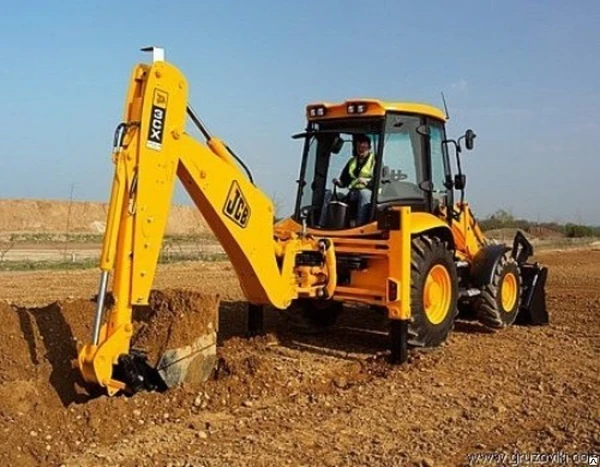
(399, 341)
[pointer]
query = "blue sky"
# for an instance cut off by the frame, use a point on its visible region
(524, 75)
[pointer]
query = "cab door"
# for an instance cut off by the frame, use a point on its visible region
(440, 169)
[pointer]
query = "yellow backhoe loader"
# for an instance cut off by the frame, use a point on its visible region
(414, 251)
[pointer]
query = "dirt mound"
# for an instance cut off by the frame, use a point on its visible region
(533, 233)
(37, 346)
(48, 414)
(172, 319)
(43, 216)
(539, 231)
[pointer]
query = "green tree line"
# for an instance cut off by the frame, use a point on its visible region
(502, 219)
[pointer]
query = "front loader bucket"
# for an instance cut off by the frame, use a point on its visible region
(533, 304)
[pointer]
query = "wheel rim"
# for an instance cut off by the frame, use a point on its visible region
(437, 294)
(509, 292)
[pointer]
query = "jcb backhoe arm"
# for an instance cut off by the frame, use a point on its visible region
(151, 149)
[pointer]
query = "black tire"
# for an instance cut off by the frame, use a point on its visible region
(312, 315)
(466, 311)
(322, 314)
(427, 253)
(490, 308)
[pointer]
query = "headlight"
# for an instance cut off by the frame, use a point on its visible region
(351, 109)
(361, 108)
(321, 111)
(313, 112)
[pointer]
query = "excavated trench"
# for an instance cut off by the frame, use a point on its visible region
(48, 413)
(42, 396)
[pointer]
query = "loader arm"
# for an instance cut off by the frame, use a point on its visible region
(151, 150)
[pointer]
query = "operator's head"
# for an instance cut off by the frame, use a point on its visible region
(363, 145)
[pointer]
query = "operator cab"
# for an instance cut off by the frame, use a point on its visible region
(411, 165)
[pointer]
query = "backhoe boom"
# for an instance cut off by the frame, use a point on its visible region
(153, 149)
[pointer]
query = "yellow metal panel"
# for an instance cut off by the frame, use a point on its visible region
(423, 221)
(245, 243)
(373, 277)
(289, 224)
(468, 237)
(162, 120)
(399, 265)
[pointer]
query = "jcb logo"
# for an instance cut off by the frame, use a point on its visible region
(160, 98)
(236, 207)
(157, 120)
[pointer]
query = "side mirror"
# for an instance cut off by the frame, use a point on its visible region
(460, 180)
(337, 144)
(469, 139)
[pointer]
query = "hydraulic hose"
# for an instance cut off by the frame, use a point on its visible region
(202, 128)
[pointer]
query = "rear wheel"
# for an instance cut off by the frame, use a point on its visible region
(311, 315)
(434, 292)
(322, 314)
(498, 304)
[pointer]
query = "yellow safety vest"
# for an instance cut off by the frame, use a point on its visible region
(365, 172)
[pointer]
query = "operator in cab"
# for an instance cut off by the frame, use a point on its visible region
(357, 176)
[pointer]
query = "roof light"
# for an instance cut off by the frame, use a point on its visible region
(356, 108)
(317, 111)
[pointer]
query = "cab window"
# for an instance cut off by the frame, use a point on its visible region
(402, 168)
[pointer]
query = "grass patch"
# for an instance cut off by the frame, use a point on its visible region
(204, 257)
(47, 265)
(42, 237)
(46, 237)
(195, 238)
(91, 263)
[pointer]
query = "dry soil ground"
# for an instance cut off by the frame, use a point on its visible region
(293, 399)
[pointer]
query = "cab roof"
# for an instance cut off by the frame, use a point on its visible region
(372, 108)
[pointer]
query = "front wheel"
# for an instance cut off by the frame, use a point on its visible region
(498, 304)
(434, 292)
